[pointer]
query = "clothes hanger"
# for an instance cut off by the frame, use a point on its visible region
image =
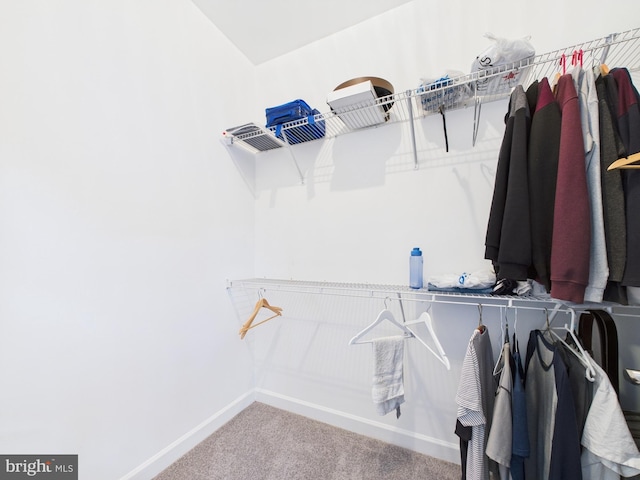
(626, 162)
(440, 354)
(516, 348)
(563, 63)
(260, 304)
(476, 117)
(583, 356)
(577, 58)
(481, 327)
(505, 340)
(387, 315)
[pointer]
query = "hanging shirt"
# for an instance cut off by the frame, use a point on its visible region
(571, 243)
(500, 436)
(628, 109)
(588, 99)
(544, 148)
(508, 239)
(520, 431)
(609, 449)
(475, 398)
(611, 149)
(553, 434)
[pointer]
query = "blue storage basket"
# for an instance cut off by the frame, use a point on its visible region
(291, 111)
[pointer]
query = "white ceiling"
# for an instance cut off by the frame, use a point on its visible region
(266, 29)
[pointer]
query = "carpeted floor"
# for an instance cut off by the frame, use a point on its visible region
(266, 443)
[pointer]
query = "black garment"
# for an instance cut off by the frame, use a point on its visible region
(532, 96)
(581, 387)
(464, 432)
(544, 148)
(508, 240)
(629, 130)
(611, 149)
(564, 459)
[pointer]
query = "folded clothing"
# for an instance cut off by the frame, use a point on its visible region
(468, 281)
(388, 387)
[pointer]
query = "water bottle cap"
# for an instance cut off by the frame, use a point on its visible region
(416, 252)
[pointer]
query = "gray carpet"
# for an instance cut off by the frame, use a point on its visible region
(266, 443)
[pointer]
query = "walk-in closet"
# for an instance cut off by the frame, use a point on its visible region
(189, 291)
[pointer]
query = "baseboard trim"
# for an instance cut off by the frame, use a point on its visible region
(387, 433)
(186, 442)
(418, 442)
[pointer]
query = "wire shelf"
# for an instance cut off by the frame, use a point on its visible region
(542, 303)
(496, 83)
(380, 291)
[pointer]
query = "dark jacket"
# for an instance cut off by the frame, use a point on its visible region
(628, 109)
(611, 149)
(508, 240)
(570, 251)
(544, 148)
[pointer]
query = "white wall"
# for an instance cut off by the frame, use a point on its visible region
(363, 207)
(121, 217)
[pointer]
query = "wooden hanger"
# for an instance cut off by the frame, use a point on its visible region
(604, 69)
(262, 303)
(626, 162)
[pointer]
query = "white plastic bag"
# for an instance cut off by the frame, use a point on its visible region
(506, 54)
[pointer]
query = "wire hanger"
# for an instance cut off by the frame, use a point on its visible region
(425, 319)
(583, 356)
(261, 303)
(384, 315)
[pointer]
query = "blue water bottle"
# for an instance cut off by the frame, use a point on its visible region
(415, 268)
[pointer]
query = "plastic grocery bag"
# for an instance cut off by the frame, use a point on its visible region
(504, 62)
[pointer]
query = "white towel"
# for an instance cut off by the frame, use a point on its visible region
(388, 389)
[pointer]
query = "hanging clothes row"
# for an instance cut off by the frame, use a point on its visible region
(559, 215)
(544, 419)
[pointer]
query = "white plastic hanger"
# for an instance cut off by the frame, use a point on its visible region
(382, 316)
(440, 354)
(425, 318)
(583, 356)
(497, 369)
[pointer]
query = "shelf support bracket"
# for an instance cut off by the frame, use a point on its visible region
(293, 157)
(413, 130)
